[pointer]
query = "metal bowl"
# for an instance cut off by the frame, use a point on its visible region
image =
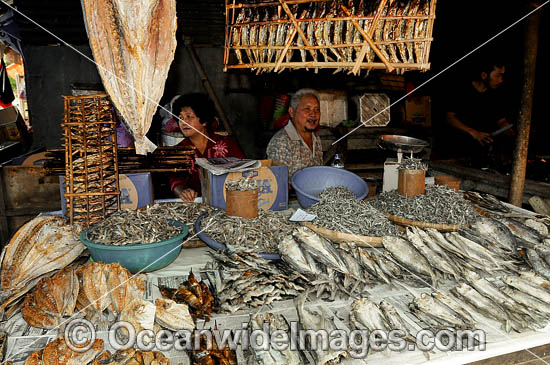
(402, 143)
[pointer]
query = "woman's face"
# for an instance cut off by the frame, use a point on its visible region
(191, 121)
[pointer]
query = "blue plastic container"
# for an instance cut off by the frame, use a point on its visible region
(312, 181)
(138, 257)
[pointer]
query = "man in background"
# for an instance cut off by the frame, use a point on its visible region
(476, 110)
(297, 145)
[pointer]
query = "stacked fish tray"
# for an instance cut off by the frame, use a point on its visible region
(91, 169)
(347, 35)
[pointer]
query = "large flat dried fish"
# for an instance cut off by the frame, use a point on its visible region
(43, 245)
(133, 43)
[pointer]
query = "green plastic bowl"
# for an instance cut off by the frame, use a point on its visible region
(138, 257)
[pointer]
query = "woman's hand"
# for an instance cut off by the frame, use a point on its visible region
(482, 137)
(187, 195)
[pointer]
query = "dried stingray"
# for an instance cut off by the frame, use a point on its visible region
(133, 43)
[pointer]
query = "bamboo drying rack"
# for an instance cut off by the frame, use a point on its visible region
(91, 168)
(300, 48)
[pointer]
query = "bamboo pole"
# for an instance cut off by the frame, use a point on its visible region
(320, 64)
(297, 27)
(263, 4)
(367, 37)
(335, 19)
(341, 45)
(429, 30)
(524, 120)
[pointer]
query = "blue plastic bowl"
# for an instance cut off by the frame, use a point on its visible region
(312, 181)
(138, 257)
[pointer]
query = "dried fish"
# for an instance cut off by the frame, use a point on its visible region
(420, 30)
(439, 204)
(390, 30)
(380, 34)
(128, 227)
(248, 280)
(263, 37)
(236, 37)
(262, 233)
(410, 27)
(245, 35)
(402, 32)
(412, 163)
(319, 27)
(242, 184)
(339, 211)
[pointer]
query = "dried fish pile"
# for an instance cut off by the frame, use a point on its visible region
(258, 34)
(431, 255)
(336, 193)
(182, 212)
(411, 163)
(339, 212)
(195, 294)
(243, 279)
(129, 227)
(262, 233)
(275, 324)
(39, 248)
(243, 184)
(518, 302)
(313, 319)
(367, 315)
(333, 271)
(439, 204)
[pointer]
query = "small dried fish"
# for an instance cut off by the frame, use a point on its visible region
(439, 204)
(339, 211)
(262, 233)
(412, 164)
(409, 28)
(243, 184)
(128, 227)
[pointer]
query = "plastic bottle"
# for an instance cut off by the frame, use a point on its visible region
(337, 162)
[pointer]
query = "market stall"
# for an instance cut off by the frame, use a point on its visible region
(266, 261)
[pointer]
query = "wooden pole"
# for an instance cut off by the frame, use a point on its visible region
(208, 85)
(524, 120)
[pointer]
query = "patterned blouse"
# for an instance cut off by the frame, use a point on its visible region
(224, 146)
(288, 147)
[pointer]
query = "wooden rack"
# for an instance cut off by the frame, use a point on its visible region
(91, 169)
(341, 34)
(173, 159)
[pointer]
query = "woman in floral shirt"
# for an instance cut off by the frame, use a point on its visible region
(197, 124)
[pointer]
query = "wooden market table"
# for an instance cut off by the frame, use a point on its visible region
(487, 181)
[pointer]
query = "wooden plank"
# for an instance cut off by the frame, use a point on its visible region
(489, 182)
(519, 166)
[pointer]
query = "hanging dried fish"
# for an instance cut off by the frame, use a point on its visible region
(236, 37)
(134, 45)
(420, 31)
(409, 28)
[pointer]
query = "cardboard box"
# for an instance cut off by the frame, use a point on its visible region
(418, 110)
(272, 186)
(136, 191)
